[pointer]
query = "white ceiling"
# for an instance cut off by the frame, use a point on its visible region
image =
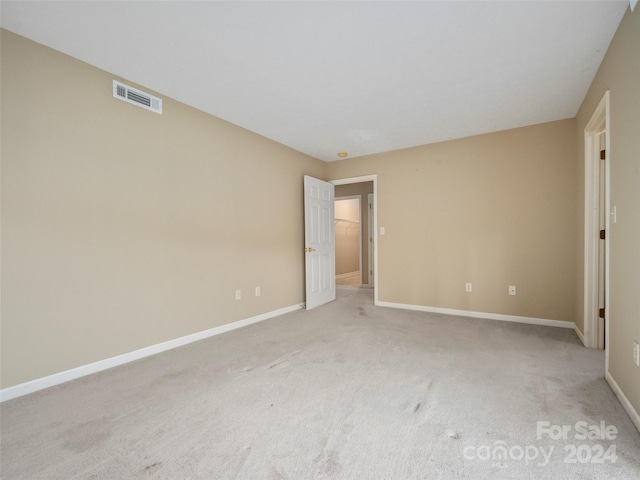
(362, 77)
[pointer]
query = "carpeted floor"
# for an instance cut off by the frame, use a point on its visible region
(345, 391)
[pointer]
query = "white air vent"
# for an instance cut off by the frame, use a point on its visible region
(135, 96)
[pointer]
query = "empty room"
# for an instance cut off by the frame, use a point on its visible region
(320, 240)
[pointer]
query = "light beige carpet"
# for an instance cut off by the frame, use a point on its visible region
(345, 391)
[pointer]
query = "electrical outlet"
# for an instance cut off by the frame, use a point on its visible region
(257, 291)
(636, 353)
(238, 294)
(468, 287)
(512, 289)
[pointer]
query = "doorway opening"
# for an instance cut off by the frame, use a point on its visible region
(364, 191)
(596, 228)
(348, 234)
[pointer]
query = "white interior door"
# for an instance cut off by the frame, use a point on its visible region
(320, 253)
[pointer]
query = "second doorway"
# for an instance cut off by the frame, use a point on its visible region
(354, 234)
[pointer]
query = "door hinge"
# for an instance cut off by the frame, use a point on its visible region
(601, 313)
(603, 234)
(603, 154)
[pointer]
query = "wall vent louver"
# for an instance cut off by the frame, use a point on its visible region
(136, 97)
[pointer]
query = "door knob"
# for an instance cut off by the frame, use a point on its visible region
(309, 249)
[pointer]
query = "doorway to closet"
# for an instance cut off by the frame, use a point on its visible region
(348, 235)
(354, 231)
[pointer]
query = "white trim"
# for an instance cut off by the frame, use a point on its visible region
(579, 333)
(84, 370)
(490, 316)
(599, 121)
(607, 242)
(368, 178)
(370, 231)
(626, 404)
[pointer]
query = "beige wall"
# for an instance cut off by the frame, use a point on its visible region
(122, 228)
(494, 210)
(620, 74)
(361, 189)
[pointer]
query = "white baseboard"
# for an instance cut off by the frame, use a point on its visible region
(579, 333)
(68, 375)
(490, 316)
(626, 404)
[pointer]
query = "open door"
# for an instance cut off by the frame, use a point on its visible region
(320, 255)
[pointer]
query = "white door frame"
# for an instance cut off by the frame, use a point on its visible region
(359, 198)
(369, 178)
(599, 121)
(370, 235)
